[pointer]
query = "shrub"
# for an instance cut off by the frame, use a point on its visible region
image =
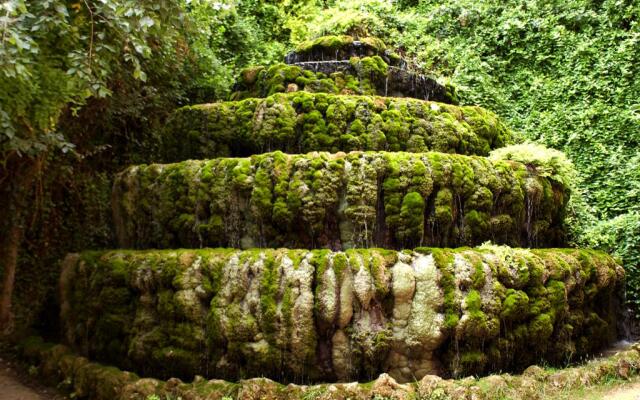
(620, 236)
(546, 162)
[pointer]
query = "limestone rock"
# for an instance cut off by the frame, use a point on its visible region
(318, 315)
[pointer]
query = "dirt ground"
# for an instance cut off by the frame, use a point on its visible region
(631, 392)
(15, 385)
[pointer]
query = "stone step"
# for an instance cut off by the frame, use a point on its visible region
(300, 122)
(337, 201)
(310, 316)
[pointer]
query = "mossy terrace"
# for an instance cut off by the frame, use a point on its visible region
(300, 122)
(300, 315)
(59, 365)
(392, 200)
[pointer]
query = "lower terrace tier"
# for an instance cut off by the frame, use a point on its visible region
(300, 122)
(308, 316)
(338, 201)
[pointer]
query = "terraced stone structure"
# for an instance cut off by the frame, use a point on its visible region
(320, 199)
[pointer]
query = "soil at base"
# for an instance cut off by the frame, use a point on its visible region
(18, 385)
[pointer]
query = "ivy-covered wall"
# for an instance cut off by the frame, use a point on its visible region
(300, 122)
(321, 200)
(311, 315)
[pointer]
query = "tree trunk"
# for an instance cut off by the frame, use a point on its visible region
(9, 260)
(17, 194)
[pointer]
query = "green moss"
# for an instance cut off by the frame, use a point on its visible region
(444, 262)
(412, 219)
(515, 305)
(256, 321)
(443, 207)
(302, 121)
(540, 329)
(478, 278)
(473, 361)
(340, 263)
(329, 42)
(473, 301)
(268, 295)
(380, 264)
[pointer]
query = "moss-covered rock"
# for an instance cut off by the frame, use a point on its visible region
(342, 47)
(302, 122)
(338, 201)
(355, 76)
(535, 382)
(310, 315)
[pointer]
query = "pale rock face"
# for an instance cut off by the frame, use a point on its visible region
(425, 322)
(251, 302)
(144, 279)
(341, 356)
(328, 297)
(387, 387)
(301, 334)
(490, 302)
(463, 270)
(363, 286)
(346, 299)
(404, 284)
(417, 324)
(189, 304)
(240, 296)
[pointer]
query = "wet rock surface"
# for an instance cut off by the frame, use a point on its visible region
(127, 386)
(337, 201)
(300, 122)
(345, 77)
(311, 316)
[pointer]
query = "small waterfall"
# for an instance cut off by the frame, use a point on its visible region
(627, 323)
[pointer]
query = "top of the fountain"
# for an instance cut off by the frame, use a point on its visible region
(342, 47)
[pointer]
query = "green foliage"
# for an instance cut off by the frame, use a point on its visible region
(229, 36)
(621, 237)
(351, 17)
(54, 54)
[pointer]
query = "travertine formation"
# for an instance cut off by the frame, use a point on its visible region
(301, 122)
(323, 193)
(59, 365)
(337, 201)
(301, 315)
